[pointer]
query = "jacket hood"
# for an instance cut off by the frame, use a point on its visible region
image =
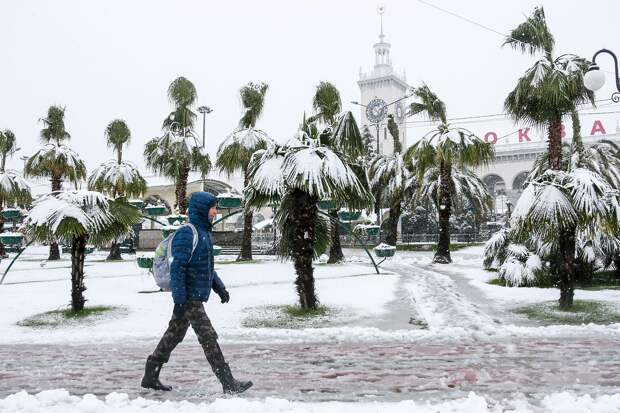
(198, 209)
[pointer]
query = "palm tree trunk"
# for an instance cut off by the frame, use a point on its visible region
(78, 252)
(54, 250)
(567, 237)
(392, 224)
(555, 144)
(248, 216)
(303, 219)
(335, 250)
(115, 252)
(567, 268)
(442, 256)
(181, 191)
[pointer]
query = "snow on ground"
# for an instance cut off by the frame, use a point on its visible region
(30, 288)
(60, 401)
(468, 263)
(452, 300)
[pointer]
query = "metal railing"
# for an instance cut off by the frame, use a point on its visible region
(350, 241)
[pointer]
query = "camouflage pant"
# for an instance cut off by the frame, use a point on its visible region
(207, 337)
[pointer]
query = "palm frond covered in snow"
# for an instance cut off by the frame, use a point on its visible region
(465, 186)
(116, 178)
(55, 159)
(69, 214)
(176, 152)
(305, 165)
(391, 174)
(454, 146)
(236, 151)
(14, 188)
(559, 200)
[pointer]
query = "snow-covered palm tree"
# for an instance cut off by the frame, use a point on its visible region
(393, 178)
(80, 217)
(178, 151)
(563, 216)
(55, 159)
(296, 176)
(548, 91)
(14, 190)
(551, 88)
(441, 160)
(235, 152)
(117, 177)
(340, 133)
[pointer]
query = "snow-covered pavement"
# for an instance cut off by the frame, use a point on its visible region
(419, 331)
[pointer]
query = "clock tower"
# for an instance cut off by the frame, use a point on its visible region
(379, 89)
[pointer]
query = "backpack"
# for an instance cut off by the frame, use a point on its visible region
(163, 258)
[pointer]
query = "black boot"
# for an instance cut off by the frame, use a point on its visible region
(151, 375)
(229, 384)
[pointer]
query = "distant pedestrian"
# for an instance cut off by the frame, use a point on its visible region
(192, 279)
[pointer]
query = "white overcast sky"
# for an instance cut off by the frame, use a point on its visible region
(115, 58)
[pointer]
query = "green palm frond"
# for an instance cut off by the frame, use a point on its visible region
(7, 142)
(235, 153)
(182, 92)
(429, 103)
(54, 123)
(181, 117)
(7, 146)
(117, 134)
(549, 89)
(200, 161)
(252, 99)
(346, 137)
(326, 103)
(533, 35)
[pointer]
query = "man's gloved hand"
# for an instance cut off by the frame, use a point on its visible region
(179, 309)
(225, 297)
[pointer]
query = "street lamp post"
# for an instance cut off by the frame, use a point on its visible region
(204, 110)
(594, 78)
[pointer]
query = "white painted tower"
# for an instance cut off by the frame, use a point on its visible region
(383, 84)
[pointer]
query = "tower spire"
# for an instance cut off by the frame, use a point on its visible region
(381, 10)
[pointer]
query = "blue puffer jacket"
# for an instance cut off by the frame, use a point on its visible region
(193, 279)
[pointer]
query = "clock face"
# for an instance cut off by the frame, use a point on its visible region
(376, 110)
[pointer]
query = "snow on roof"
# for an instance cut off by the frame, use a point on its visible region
(263, 224)
(234, 180)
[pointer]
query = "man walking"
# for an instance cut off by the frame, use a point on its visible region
(192, 278)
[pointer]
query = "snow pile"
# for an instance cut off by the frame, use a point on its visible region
(60, 401)
(383, 246)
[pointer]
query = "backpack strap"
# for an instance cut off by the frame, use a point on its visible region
(194, 240)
